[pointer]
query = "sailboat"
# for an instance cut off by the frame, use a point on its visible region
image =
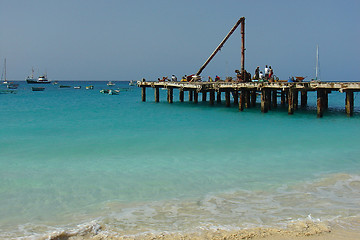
(3, 76)
(317, 68)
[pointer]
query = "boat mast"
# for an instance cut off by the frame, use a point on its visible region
(317, 69)
(5, 70)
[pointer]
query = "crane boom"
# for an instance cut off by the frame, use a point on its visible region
(241, 20)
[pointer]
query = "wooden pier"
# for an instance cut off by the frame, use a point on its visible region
(244, 94)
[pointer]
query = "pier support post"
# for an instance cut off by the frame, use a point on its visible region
(196, 96)
(320, 103)
(191, 96)
(349, 103)
(236, 97)
(247, 98)
(242, 100)
(326, 99)
(181, 95)
(212, 96)
(203, 95)
(283, 101)
(253, 98)
(218, 97)
(157, 95)
(264, 102)
(170, 94)
(268, 98)
(143, 94)
(303, 99)
(296, 98)
(227, 98)
(274, 98)
(291, 100)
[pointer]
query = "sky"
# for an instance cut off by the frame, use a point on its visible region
(134, 39)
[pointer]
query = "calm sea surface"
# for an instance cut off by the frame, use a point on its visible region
(74, 157)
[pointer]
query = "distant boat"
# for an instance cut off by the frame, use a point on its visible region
(64, 86)
(37, 89)
(132, 83)
(41, 79)
(77, 87)
(31, 78)
(317, 67)
(3, 76)
(110, 91)
(12, 85)
(110, 83)
(89, 87)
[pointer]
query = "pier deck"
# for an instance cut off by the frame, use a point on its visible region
(244, 94)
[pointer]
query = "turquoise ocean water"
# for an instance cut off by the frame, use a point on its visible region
(74, 158)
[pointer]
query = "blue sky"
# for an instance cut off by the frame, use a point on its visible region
(132, 39)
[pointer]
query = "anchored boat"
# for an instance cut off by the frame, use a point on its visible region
(41, 79)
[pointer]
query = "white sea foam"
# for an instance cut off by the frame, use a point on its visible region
(333, 198)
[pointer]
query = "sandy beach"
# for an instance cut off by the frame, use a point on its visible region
(304, 230)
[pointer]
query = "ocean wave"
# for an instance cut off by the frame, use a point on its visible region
(313, 205)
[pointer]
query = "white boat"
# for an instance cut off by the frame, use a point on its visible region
(110, 83)
(3, 76)
(41, 79)
(317, 68)
(132, 83)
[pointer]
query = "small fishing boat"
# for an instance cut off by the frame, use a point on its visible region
(77, 87)
(110, 91)
(37, 89)
(110, 83)
(132, 83)
(89, 87)
(104, 91)
(113, 92)
(5, 91)
(64, 86)
(300, 79)
(12, 85)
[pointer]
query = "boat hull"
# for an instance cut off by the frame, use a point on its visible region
(36, 81)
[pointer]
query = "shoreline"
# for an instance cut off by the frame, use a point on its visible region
(302, 230)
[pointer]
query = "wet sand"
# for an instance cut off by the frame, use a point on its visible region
(305, 230)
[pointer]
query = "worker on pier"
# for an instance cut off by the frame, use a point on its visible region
(210, 79)
(266, 72)
(257, 72)
(261, 76)
(173, 78)
(217, 78)
(238, 75)
(270, 72)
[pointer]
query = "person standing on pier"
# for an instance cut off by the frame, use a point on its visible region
(257, 72)
(270, 72)
(266, 72)
(261, 76)
(173, 78)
